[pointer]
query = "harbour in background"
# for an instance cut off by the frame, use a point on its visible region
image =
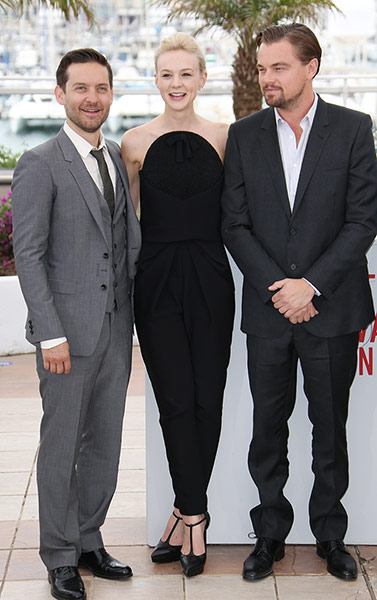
(128, 34)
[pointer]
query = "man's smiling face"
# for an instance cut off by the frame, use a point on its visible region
(87, 97)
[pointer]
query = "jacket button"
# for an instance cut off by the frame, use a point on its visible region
(105, 255)
(293, 231)
(293, 267)
(116, 284)
(103, 287)
(30, 322)
(115, 245)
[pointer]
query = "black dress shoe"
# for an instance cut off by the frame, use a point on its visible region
(339, 561)
(164, 552)
(259, 563)
(101, 564)
(193, 564)
(66, 584)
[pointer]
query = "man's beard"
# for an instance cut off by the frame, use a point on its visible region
(282, 102)
(79, 120)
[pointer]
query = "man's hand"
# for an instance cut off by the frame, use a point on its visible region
(293, 295)
(57, 359)
(304, 314)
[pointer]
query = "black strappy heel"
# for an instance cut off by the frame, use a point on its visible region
(164, 552)
(191, 563)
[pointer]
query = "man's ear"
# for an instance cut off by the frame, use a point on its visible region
(312, 68)
(59, 94)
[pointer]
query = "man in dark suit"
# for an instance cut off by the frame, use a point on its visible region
(76, 240)
(300, 212)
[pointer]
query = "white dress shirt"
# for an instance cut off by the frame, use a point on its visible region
(83, 148)
(292, 154)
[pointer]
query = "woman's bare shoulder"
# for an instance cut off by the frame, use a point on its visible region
(216, 133)
(136, 141)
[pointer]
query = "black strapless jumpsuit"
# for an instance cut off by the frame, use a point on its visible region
(184, 305)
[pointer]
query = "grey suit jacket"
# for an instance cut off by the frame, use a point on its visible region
(61, 249)
(324, 239)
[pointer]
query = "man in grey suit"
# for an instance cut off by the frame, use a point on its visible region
(300, 212)
(76, 240)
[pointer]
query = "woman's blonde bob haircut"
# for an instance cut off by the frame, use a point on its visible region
(181, 41)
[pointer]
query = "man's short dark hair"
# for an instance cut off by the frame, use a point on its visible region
(79, 56)
(300, 36)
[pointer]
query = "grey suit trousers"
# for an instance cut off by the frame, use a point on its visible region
(80, 444)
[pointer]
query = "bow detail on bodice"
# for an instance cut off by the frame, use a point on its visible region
(184, 144)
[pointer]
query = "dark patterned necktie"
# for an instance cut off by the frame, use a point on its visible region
(108, 189)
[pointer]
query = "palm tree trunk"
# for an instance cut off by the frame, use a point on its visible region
(247, 97)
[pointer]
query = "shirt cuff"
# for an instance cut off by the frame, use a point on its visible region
(47, 344)
(317, 292)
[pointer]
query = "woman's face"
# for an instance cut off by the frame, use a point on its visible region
(179, 78)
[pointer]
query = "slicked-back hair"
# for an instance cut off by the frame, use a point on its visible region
(80, 56)
(299, 35)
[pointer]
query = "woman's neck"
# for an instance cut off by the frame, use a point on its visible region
(179, 121)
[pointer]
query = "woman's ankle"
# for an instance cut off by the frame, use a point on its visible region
(174, 529)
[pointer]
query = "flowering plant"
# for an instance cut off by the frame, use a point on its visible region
(7, 266)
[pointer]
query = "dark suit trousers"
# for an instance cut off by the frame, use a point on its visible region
(328, 366)
(185, 344)
(81, 433)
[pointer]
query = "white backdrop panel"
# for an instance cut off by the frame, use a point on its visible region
(232, 493)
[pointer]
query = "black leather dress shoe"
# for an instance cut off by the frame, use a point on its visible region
(259, 563)
(101, 564)
(66, 584)
(339, 561)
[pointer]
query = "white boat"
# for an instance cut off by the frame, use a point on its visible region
(35, 110)
(133, 109)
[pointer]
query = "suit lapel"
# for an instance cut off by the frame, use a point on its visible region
(270, 145)
(317, 139)
(83, 180)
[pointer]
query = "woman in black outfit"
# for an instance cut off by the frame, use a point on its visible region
(184, 294)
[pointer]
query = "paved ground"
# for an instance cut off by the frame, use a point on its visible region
(300, 575)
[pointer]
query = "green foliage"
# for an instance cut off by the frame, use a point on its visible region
(8, 158)
(243, 20)
(68, 7)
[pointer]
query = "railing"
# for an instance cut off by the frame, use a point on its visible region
(356, 90)
(46, 85)
(339, 84)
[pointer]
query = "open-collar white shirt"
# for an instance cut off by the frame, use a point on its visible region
(292, 155)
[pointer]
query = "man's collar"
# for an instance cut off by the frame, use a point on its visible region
(82, 146)
(309, 115)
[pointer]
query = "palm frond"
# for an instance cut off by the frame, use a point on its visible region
(236, 15)
(68, 7)
(243, 20)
